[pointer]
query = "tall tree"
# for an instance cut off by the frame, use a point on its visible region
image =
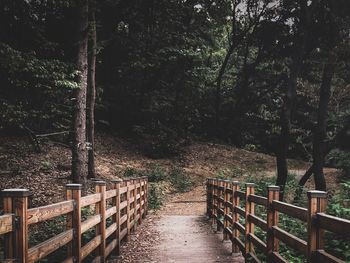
(92, 89)
(79, 150)
(231, 47)
(301, 36)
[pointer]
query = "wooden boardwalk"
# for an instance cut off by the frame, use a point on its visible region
(191, 239)
(179, 232)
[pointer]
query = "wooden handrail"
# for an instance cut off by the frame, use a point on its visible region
(334, 224)
(14, 223)
(223, 197)
(43, 213)
(291, 210)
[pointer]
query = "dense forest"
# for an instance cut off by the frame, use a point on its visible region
(269, 76)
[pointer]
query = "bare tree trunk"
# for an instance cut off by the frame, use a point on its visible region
(79, 156)
(92, 91)
(224, 64)
(320, 129)
(285, 119)
(218, 87)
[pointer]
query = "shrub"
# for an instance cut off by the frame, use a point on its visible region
(130, 172)
(339, 205)
(155, 196)
(180, 180)
(155, 173)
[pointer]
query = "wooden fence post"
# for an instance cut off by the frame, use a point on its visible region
(317, 204)
(226, 208)
(249, 210)
(214, 190)
(146, 196)
(219, 205)
(127, 183)
(208, 199)
(235, 217)
(9, 237)
(139, 192)
(19, 206)
(74, 221)
(134, 194)
(116, 217)
(144, 190)
(100, 187)
(272, 220)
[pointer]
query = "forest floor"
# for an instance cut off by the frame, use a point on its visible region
(46, 173)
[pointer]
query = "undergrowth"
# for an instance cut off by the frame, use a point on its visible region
(338, 205)
(159, 178)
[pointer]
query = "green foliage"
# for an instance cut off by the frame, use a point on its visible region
(339, 205)
(130, 172)
(181, 181)
(155, 173)
(340, 159)
(46, 165)
(155, 196)
(36, 91)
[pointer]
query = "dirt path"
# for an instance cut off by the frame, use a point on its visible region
(179, 232)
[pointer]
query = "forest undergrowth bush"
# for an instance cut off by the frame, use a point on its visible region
(159, 178)
(338, 205)
(180, 180)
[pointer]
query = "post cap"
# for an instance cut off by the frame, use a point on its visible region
(15, 192)
(249, 184)
(273, 188)
(316, 193)
(96, 179)
(127, 179)
(117, 180)
(235, 182)
(100, 182)
(74, 186)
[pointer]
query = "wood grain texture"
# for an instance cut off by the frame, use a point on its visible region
(45, 248)
(90, 199)
(43, 213)
(90, 246)
(90, 222)
(6, 223)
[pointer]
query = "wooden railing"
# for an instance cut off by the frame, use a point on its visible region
(125, 204)
(223, 206)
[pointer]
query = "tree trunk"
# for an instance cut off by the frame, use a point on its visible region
(92, 91)
(224, 64)
(218, 87)
(320, 129)
(79, 155)
(285, 119)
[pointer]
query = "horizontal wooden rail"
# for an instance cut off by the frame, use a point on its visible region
(45, 248)
(90, 199)
(130, 193)
(6, 223)
(258, 243)
(290, 240)
(111, 193)
(258, 200)
(223, 202)
(334, 224)
(291, 210)
(322, 256)
(43, 213)
(90, 222)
